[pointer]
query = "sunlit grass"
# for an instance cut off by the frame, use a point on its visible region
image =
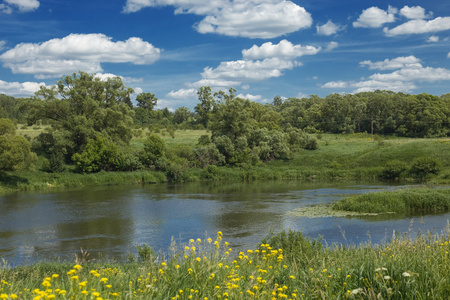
(210, 269)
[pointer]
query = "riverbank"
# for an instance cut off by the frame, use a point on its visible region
(339, 157)
(284, 266)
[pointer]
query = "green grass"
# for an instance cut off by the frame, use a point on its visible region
(403, 268)
(401, 201)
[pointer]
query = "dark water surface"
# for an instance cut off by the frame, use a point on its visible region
(111, 221)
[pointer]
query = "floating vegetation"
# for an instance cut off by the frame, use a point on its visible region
(325, 211)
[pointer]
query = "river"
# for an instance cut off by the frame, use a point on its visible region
(111, 221)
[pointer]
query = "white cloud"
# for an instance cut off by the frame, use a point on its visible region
(420, 26)
(2, 45)
(328, 28)
(249, 70)
(332, 45)
(335, 85)
(19, 89)
(408, 72)
(375, 17)
(259, 63)
(250, 97)
(252, 19)
(22, 5)
(433, 39)
(76, 52)
(284, 49)
(182, 94)
(392, 64)
(414, 12)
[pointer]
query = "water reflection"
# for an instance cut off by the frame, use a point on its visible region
(111, 221)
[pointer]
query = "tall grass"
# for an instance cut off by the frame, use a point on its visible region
(209, 269)
(406, 201)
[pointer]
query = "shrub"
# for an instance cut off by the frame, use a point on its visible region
(175, 173)
(154, 148)
(424, 166)
(393, 169)
(99, 154)
(295, 246)
(55, 164)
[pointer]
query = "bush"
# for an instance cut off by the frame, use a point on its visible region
(393, 169)
(175, 173)
(295, 246)
(55, 164)
(99, 154)
(424, 166)
(154, 148)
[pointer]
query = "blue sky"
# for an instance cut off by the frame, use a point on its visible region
(262, 48)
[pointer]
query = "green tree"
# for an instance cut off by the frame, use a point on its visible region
(206, 105)
(15, 151)
(81, 106)
(181, 115)
(99, 154)
(146, 101)
(154, 150)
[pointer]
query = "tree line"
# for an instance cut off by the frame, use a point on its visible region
(91, 124)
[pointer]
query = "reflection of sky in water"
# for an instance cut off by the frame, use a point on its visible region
(112, 221)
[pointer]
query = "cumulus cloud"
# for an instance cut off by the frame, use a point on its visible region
(408, 71)
(19, 89)
(250, 97)
(335, 85)
(76, 52)
(182, 94)
(433, 39)
(252, 19)
(2, 45)
(392, 64)
(249, 70)
(22, 5)
(414, 12)
(375, 17)
(284, 49)
(259, 63)
(328, 28)
(332, 45)
(420, 26)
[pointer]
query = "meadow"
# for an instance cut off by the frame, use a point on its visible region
(339, 157)
(283, 266)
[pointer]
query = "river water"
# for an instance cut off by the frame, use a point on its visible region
(111, 221)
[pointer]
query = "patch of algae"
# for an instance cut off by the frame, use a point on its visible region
(324, 211)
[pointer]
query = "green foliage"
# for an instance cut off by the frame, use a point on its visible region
(145, 254)
(204, 140)
(206, 105)
(208, 155)
(15, 151)
(176, 173)
(55, 164)
(296, 248)
(402, 201)
(7, 127)
(393, 169)
(146, 101)
(99, 154)
(82, 106)
(154, 149)
(424, 166)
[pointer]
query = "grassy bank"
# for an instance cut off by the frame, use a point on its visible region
(402, 201)
(339, 157)
(285, 266)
